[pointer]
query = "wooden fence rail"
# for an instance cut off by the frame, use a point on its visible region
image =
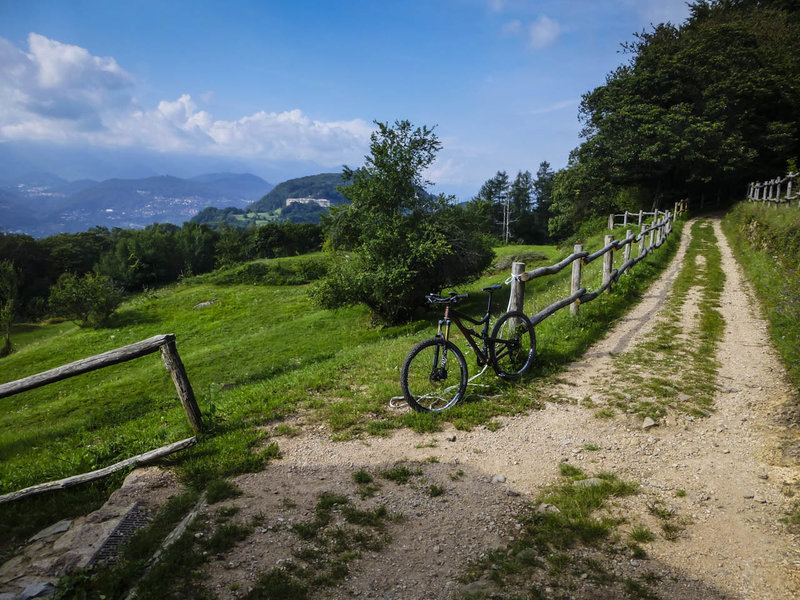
(657, 232)
(173, 364)
(627, 218)
(169, 354)
(772, 191)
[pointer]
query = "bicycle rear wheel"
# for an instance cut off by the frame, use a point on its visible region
(434, 375)
(513, 345)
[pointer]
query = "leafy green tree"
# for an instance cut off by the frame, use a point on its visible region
(88, 300)
(401, 241)
(698, 111)
(9, 286)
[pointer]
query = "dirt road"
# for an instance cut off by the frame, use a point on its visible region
(719, 480)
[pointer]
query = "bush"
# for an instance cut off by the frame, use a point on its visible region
(89, 300)
(402, 242)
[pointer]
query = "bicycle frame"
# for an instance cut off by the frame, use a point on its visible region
(455, 316)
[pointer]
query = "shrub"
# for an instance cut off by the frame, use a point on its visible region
(89, 300)
(402, 242)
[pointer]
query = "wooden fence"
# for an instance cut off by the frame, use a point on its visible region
(650, 237)
(772, 191)
(173, 364)
(627, 218)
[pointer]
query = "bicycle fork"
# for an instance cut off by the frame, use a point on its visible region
(439, 370)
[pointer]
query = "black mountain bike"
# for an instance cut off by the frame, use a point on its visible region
(434, 375)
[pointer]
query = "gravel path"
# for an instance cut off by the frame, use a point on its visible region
(721, 476)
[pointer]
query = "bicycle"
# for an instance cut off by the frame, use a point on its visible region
(429, 380)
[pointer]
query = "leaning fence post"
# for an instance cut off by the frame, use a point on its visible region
(173, 364)
(576, 279)
(608, 260)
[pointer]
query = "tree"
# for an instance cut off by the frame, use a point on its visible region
(401, 241)
(87, 300)
(495, 191)
(9, 286)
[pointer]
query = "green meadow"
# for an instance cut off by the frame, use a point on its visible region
(259, 354)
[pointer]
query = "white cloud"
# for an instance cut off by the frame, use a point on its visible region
(543, 32)
(58, 92)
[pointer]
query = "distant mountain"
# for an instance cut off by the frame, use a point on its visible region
(272, 207)
(14, 212)
(313, 186)
(54, 205)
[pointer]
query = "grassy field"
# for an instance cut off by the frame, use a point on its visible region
(257, 355)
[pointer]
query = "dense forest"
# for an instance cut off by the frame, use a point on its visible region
(696, 111)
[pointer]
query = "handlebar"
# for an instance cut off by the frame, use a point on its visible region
(453, 298)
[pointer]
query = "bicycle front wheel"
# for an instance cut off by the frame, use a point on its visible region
(434, 376)
(513, 345)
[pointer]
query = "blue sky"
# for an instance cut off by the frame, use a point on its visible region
(299, 83)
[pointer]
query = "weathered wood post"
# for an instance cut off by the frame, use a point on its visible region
(640, 217)
(625, 218)
(608, 260)
(641, 239)
(576, 279)
(627, 254)
(173, 364)
(652, 235)
(611, 221)
(517, 300)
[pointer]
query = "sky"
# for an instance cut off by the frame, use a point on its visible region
(291, 86)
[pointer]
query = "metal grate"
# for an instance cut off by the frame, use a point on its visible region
(108, 553)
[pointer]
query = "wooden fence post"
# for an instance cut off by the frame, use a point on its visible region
(625, 218)
(641, 240)
(173, 364)
(652, 236)
(576, 279)
(640, 217)
(608, 260)
(627, 255)
(517, 301)
(611, 221)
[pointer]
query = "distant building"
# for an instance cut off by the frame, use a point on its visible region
(323, 202)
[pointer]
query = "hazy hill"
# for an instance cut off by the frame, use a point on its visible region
(313, 186)
(52, 205)
(272, 207)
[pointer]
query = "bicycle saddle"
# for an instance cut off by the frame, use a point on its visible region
(492, 288)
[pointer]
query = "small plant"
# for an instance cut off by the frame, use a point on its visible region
(680, 493)
(591, 447)
(225, 537)
(221, 489)
(400, 474)
(361, 477)
(457, 475)
(435, 491)
(271, 451)
(641, 534)
(287, 430)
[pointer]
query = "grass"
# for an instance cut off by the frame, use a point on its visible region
(766, 242)
(544, 554)
(255, 356)
(674, 368)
